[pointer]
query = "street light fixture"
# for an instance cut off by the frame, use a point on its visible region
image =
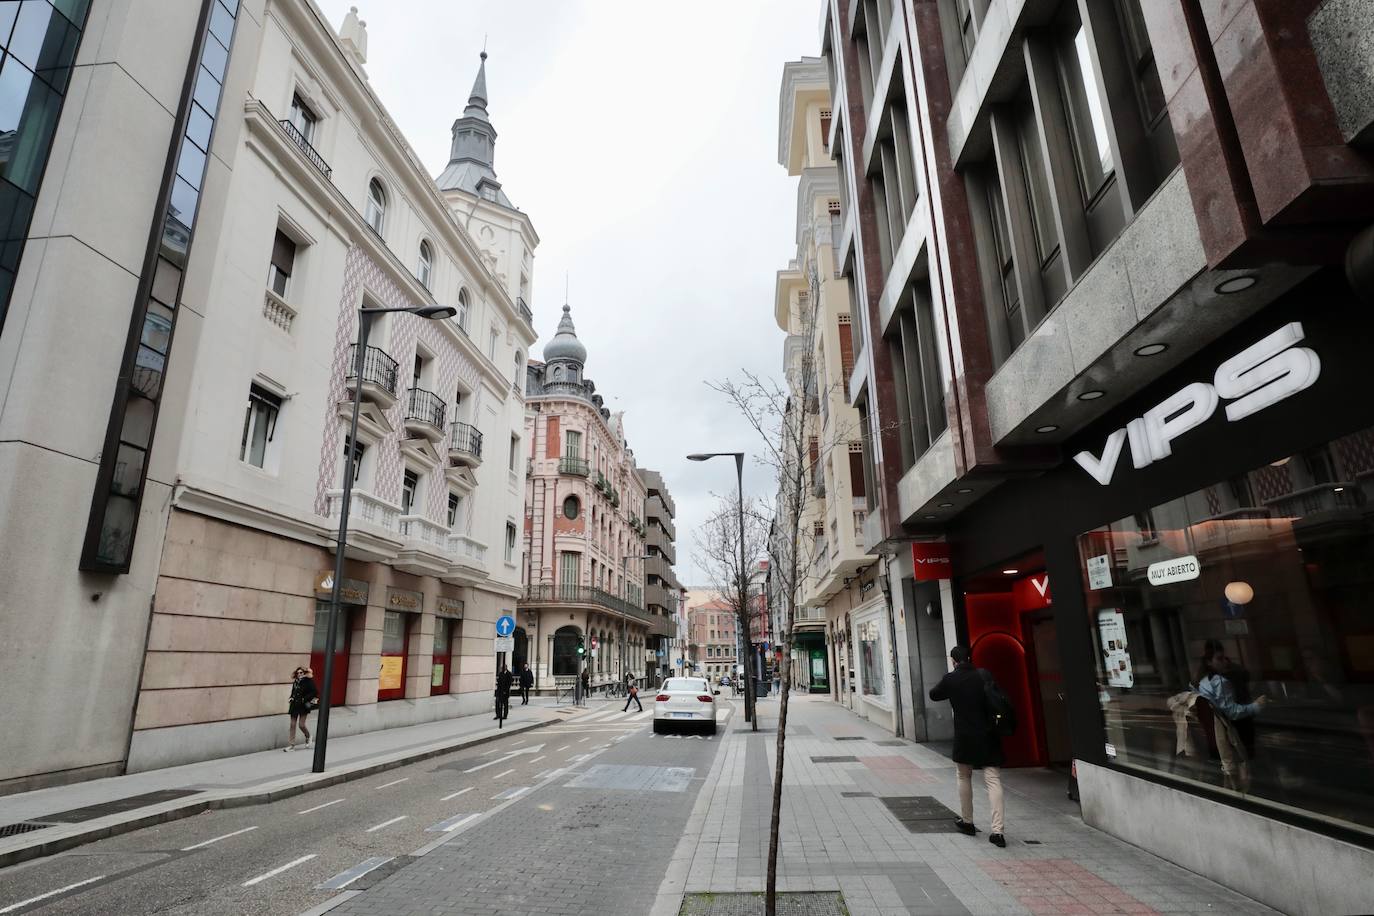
(364, 326)
(743, 581)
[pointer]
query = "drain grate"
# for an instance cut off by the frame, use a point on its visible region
(119, 805)
(856, 795)
(834, 759)
(1031, 842)
(25, 827)
(921, 813)
(850, 738)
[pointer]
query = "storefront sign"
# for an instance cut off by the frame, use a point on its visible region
(449, 607)
(402, 599)
(390, 676)
(930, 560)
(1177, 570)
(1099, 572)
(353, 591)
(1032, 592)
(1257, 377)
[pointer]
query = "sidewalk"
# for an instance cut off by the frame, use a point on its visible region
(845, 830)
(86, 811)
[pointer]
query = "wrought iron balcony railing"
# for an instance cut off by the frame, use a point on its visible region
(304, 146)
(377, 368)
(466, 438)
(578, 594)
(426, 407)
(577, 467)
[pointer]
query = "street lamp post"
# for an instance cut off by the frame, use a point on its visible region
(322, 723)
(743, 581)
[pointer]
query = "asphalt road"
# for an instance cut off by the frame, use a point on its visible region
(490, 810)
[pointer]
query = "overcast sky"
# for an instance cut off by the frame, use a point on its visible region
(641, 138)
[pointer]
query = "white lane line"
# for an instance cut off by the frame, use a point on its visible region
(61, 890)
(456, 794)
(539, 758)
(217, 839)
(511, 793)
(644, 714)
(344, 878)
(279, 869)
(503, 773)
(453, 823)
(563, 748)
(581, 740)
(318, 807)
(491, 763)
(387, 823)
(394, 782)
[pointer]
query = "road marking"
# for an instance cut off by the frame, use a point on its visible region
(581, 740)
(393, 782)
(218, 838)
(511, 793)
(456, 794)
(344, 878)
(540, 777)
(318, 807)
(539, 758)
(503, 773)
(563, 748)
(644, 714)
(61, 890)
(453, 823)
(387, 823)
(528, 750)
(276, 871)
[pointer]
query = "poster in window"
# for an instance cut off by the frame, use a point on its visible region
(437, 675)
(1116, 657)
(390, 677)
(871, 658)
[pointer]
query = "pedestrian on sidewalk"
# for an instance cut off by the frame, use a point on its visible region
(587, 682)
(503, 682)
(977, 743)
(304, 696)
(526, 682)
(632, 689)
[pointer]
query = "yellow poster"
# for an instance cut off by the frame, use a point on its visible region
(391, 672)
(437, 675)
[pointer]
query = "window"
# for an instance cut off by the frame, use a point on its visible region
(455, 505)
(493, 336)
(425, 270)
(571, 507)
(463, 309)
(510, 542)
(375, 214)
(303, 119)
(410, 483)
(572, 444)
(871, 659)
(1088, 126)
(283, 262)
(514, 451)
(519, 369)
(359, 451)
(1277, 608)
(259, 426)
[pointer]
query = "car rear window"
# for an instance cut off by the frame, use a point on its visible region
(683, 683)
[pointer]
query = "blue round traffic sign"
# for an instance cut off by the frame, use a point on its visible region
(505, 625)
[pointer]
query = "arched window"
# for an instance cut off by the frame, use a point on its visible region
(463, 309)
(557, 373)
(426, 268)
(375, 214)
(519, 370)
(565, 652)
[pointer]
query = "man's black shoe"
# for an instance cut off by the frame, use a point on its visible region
(965, 827)
(998, 840)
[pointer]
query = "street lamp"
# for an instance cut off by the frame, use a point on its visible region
(322, 723)
(743, 581)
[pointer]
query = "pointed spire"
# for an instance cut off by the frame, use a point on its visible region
(477, 99)
(565, 345)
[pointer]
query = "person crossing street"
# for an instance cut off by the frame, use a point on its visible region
(632, 694)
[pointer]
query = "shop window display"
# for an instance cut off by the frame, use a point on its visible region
(1234, 633)
(871, 659)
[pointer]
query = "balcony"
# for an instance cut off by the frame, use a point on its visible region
(277, 311)
(469, 558)
(373, 524)
(574, 466)
(378, 375)
(817, 482)
(311, 154)
(524, 310)
(424, 547)
(425, 415)
(541, 595)
(808, 618)
(465, 444)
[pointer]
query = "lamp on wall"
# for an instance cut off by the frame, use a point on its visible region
(1239, 592)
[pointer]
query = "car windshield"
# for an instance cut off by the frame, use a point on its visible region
(684, 683)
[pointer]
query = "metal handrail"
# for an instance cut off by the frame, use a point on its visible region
(377, 368)
(304, 146)
(580, 594)
(577, 467)
(464, 437)
(426, 407)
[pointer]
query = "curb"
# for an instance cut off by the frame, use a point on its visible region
(265, 794)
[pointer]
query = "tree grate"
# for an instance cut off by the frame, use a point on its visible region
(24, 827)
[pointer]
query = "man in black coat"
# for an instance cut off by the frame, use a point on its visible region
(976, 742)
(503, 682)
(526, 682)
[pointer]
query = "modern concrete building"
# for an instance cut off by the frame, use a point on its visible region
(1076, 230)
(288, 201)
(662, 590)
(584, 569)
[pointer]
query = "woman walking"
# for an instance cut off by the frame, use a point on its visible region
(304, 696)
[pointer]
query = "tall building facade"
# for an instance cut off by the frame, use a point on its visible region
(713, 630)
(584, 569)
(288, 201)
(662, 590)
(1102, 336)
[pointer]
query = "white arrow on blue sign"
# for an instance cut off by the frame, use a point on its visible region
(505, 625)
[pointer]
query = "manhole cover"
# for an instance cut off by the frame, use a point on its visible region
(921, 813)
(834, 759)
(16, 829)
(816, 903)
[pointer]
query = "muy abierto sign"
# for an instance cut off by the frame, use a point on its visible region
(930, 560)
(1256, 378)
(1180, 569)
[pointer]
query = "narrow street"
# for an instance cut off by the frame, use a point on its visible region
(520, 813)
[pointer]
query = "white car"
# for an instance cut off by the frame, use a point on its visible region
(685, 701)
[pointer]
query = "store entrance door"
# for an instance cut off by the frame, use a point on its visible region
(1048, 686)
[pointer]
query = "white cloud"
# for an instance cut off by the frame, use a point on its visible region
(641, 137)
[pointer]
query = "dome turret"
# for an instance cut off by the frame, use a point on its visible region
(565, 347)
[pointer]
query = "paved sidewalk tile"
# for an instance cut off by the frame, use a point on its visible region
(837, 833)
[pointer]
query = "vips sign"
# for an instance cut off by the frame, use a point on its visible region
(930, 559)
(1257, 377)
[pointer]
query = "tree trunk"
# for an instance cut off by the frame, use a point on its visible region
(770, 901)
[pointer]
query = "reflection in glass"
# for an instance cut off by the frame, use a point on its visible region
(128, 475)
(138, 422)
(157, 327)
(117, 531)
(147, 377)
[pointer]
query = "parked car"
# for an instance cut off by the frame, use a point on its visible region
(685, 701)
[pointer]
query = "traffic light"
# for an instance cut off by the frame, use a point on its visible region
(581, 647)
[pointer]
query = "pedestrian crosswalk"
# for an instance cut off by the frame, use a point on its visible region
(612, 719)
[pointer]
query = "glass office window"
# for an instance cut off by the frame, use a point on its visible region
(1233, 636)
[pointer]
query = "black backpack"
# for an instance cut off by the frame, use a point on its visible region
(1000, 710)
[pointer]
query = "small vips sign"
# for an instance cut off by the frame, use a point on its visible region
(930, 559)
(1258, 377)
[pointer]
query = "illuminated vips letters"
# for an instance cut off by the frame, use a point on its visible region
(1257, 377)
